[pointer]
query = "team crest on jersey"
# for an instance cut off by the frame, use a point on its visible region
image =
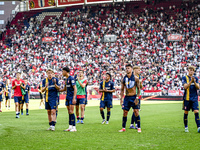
(72, 81)
(109, 84)
(32, 4)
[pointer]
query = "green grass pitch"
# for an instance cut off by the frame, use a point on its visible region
(161, 124)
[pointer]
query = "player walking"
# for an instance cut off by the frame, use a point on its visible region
(17, 85)
(81, 95)
(51, 88)
(107, 88)
(41, 95)
(136, 70)
(8, 94)
(25, 98)
(70, 87)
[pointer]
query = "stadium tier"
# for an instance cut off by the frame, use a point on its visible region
(163, 39)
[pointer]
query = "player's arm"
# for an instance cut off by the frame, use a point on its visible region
(122, 92)
(112, 89)
(101, 88)
(138, 88)
(39, 89)
(29, 94)
(22, 86)
(44, 85)
(185, 84)
(2, 91)
(141, 83)
(82, 84)
(74, 96)
(196, 83)
(14, 84)
(56, 84)
(63, 90)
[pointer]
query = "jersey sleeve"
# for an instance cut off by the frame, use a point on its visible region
(73, 81)
(57, 82)
(112, 86)
(197, 80)
(123, 80)
(43, 83)
(101, 87)
(184, 80)
(85, 82)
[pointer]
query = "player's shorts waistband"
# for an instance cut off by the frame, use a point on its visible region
(131, 96)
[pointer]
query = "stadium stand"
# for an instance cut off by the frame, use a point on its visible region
(77, 36)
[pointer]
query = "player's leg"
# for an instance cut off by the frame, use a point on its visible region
(70, 122)
(137, 118)
(109, 106)
(27, 106)
(53, 122)
(9, 102)
(21, 107)
(82, 112)
(77, 111)
(49, 115)
(53, 105)
(82, 106)
(186, 108)
(132, 120)
(102, 107)
(6, 102)
(72, 116)
(58, 102)
(195, 108)
(16, 100)
(126, 107)
(124, 120)
(42, 101)
(108, 115)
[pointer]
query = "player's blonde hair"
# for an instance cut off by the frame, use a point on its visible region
(136, 67)
(192, 67)
(49, 69)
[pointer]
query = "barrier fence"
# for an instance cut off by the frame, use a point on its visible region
(94, 94)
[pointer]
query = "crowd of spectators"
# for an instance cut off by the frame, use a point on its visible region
(78, 42)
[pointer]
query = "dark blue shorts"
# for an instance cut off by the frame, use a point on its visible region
(25, 100)
(187, 105)
(139, 104)
(107, 104)
(58, 100)
(18, 99)
(1, 98)
(86, 101)
(129, 102)
(51, 104)
(80, 101)
(68, 102)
